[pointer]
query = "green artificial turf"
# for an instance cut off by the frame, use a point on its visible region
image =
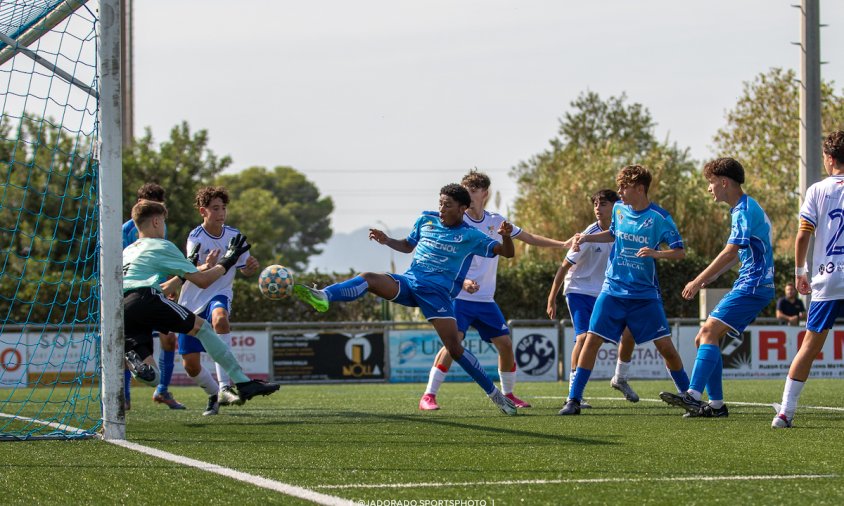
(333, 439)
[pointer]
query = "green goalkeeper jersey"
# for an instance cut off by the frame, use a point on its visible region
(147, 260)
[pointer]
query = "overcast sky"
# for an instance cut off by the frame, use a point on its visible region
(382, 102)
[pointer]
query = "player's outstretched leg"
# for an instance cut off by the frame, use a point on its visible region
(216, 348)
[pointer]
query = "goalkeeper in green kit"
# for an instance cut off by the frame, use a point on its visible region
(146, 307)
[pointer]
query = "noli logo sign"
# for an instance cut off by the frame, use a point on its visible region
(358, 350)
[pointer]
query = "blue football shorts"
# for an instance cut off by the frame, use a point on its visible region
(738, 309)
(434, 301)
(822, 314)
(645, 318)
(580, 307)
(190, 344)
(485, 317)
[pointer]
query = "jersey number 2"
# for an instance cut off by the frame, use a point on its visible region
(831, 247)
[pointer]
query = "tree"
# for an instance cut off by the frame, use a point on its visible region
(762, 133)
(594, 140)
(181, 165)
(281, 212)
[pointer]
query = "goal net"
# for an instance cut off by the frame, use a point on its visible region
(49, 267)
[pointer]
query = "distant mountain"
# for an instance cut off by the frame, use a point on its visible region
(354, 251)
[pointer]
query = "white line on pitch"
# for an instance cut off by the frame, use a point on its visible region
(252, 479)
(258, 481)
(588, 480)
(731, 403)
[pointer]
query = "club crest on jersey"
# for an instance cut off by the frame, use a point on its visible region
(619, 216)
(648, 223)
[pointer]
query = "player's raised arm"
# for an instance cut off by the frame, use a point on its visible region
(542, 241)
(400, 245)
(505, 248)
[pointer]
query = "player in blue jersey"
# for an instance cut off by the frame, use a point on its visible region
(630, 294)
(750, 244)
(581, 275)
(443, 247)
(167, 340)
(475, 305)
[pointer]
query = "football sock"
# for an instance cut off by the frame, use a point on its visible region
(435, 379)
(220, 353)
(223, 378)
(470, 364)
(127, 382)
(165, 365)
(350, 289)
(578, 385)
(681, 379)
(707, 356)
(622, 370)
(206, 381)
(572, 374)
(508, 381)
(790, 396)
(715, 385)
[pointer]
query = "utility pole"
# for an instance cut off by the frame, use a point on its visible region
(126, 73)
(811, 162)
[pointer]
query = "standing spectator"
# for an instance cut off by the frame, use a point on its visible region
(790, 309)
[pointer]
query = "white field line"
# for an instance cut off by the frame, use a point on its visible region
(60, 426)
(251, 479)
(731, 403)
(258, 481)
(763, 477)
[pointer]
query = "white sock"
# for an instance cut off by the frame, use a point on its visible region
(435, 379)
(694, 393)
(716, 404)
(790, 396)
(622, 370)
(206, 381)
(508, 381)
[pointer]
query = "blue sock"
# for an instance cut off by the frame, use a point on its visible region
(581, 377)
(715, 387)
(350, 289)
(473, 368)
(165, 365)
(681, 379)
(127, 380)
(707, 356)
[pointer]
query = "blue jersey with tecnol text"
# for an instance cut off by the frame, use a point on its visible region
(629, 276)
(444, 254)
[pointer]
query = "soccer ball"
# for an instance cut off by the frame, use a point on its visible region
(275, 282)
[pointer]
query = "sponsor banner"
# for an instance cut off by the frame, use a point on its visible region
(412, 354)
(536, 350)
(62, 355)
(250, 347)
(767, 352)
(12, 365)
(330, 356)
(647, 363)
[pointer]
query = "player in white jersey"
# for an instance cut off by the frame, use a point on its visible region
(581, 275)
(475, 304)
(822, 214)
(212, 303)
